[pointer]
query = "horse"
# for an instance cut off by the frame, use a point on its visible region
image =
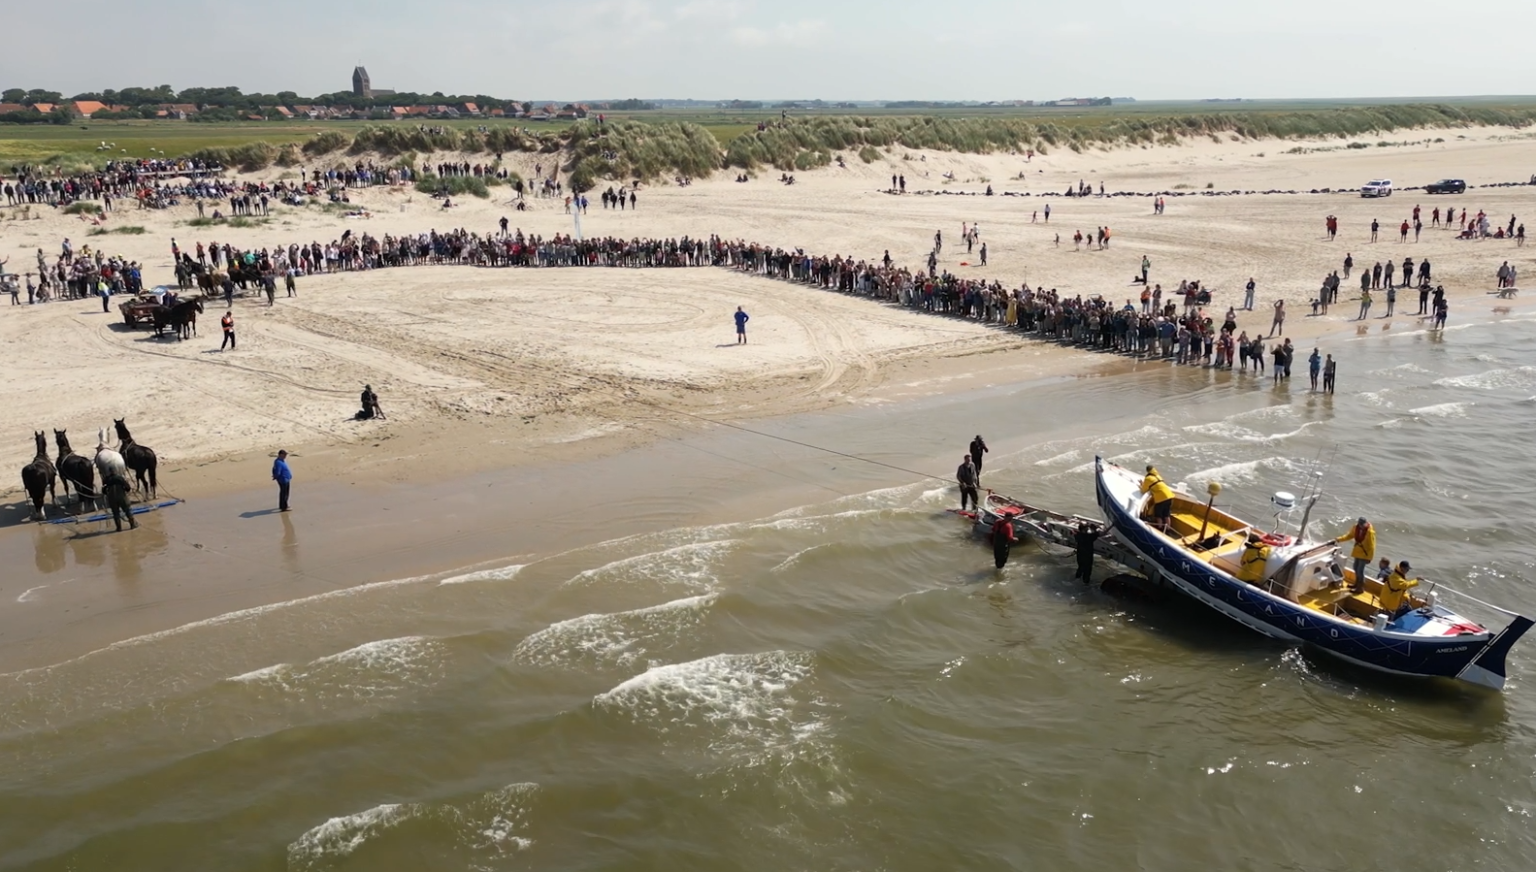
(140, 459)
(210, 283)
(182, 317)
(39, 475)
(76, 469)
(108, 462)
(185, 313)
(161, 315)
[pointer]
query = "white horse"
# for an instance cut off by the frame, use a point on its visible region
(108, 462)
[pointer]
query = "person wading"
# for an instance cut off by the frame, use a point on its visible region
(1085, 539)
(284, 478)
(967, 477)
(978, 449)
(115, 489)
(1003, 537)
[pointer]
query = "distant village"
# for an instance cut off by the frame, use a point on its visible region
(362, 101)
(365, 102)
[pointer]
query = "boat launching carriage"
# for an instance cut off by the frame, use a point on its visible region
(1028, 521)
(1306, 593)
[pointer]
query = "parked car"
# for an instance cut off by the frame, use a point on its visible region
(1377, 188)
(1446, 186)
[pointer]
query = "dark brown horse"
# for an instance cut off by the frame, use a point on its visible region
(39, 476)
(181, 318)
(78, 470)
(140, 459)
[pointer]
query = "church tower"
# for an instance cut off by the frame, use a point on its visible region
(361, 87)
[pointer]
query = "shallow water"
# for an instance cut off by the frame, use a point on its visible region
(848, 684)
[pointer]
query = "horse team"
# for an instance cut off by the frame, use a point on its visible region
(40, 477)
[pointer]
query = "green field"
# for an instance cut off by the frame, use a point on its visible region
(657, 142)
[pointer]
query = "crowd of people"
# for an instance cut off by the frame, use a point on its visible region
(78, 275)
(1154, 329)
(1184, 334)
(27, 185)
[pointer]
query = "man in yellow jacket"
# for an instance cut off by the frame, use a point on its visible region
(1364, 537)
(1394, 593)
(1255, 558)
(1162, 498)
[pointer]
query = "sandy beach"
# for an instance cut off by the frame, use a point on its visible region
(477, 366)
(498, 369)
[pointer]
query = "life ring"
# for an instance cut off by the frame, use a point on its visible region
(1276, 540)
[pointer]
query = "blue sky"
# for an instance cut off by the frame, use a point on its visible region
(754, 49)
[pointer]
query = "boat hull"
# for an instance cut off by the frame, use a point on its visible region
(1384, 650)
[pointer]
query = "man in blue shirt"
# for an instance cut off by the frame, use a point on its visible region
(284, 477)
(741, 326)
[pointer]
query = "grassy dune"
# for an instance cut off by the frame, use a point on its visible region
(696, 143)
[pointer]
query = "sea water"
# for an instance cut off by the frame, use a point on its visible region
(848, 684)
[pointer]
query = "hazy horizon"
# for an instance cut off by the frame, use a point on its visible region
(985, 50)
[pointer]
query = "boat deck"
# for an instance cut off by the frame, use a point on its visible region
(1218, 540)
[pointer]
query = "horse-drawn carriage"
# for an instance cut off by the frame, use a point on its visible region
(150, 309)
(140, 310)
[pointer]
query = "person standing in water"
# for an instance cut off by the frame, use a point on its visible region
(1003, 537)
(968, 479)
(1085, 539)
(1329, 367)
(978, 449)
(284, 478)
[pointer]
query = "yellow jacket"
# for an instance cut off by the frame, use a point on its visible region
(1159, 489)
(1365, 546)
(1255, 557)
(1395, 590)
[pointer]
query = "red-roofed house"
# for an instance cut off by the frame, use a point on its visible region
(497, 113)
(283, 111)
(471, 109)
(44, 108)
(8, 108)
(87, 108)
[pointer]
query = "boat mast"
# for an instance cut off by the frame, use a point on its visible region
(1314, 492)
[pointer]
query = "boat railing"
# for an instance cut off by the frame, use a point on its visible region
(1437, 588)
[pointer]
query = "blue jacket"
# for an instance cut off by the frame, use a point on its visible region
(280, 472)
